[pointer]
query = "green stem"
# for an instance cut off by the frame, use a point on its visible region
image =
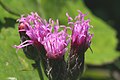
(39, 70)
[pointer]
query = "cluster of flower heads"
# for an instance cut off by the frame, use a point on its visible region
(48, 34)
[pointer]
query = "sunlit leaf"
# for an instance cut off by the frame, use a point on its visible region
(12, 64)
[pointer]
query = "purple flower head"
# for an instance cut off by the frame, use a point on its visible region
(81, 37)
(55, 43)
(34, 27)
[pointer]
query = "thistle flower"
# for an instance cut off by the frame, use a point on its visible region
(34, 29)
(55, 43)
(81, 38)
(39, 32)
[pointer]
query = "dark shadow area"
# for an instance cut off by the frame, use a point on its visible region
(9, 22)
(109, 11)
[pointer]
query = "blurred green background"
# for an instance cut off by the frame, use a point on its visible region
(103, 64)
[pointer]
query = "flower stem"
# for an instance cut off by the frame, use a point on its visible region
(39, 70)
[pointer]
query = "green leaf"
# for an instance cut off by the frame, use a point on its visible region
(22, 7)
(14, 65)
(103, 44)
(52, 8)
(4, 14)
